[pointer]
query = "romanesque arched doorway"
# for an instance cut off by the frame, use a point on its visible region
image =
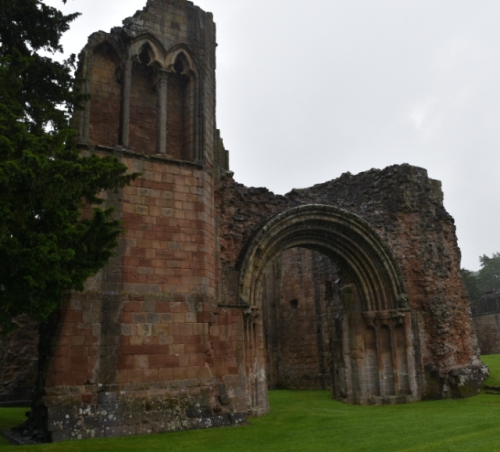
(372, 350)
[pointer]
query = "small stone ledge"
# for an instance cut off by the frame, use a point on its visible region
(384, 400)
(146, 428)
(127, 152)
(180, 405)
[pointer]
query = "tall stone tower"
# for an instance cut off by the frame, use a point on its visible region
(135, 342)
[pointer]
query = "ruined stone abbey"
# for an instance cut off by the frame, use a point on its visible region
(218, 291)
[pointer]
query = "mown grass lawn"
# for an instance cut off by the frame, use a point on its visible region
(493, 362)
(311, 421)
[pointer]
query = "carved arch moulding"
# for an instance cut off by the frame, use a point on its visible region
(160, 57)
(373, 361)
(340, 234)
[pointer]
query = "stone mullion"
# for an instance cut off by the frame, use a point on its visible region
(410, 353)
(395, 361)
(380, 362)
(87, 84)
(277, 297)
(162, 88)
(127, 86)
(200, 148)
(346, 352)
(190, 119)
(254, 360)
(248, 358)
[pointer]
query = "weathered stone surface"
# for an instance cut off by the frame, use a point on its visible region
(211, 297)
(404, 207)
(486, 317)
(300, 300)
(18, 358)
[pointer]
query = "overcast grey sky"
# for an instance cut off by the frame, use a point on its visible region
(309, 90)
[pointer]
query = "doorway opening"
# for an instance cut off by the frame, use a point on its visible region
(300, 298)
(326, 308)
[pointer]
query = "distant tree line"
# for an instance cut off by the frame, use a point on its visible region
(484, 281)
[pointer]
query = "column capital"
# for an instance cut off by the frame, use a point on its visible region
(161, 77)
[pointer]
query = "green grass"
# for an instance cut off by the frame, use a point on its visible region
(493, 362)
(10, 417)
(311, 421)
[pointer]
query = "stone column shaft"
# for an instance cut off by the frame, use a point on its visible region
(162, 113)
(127, 86)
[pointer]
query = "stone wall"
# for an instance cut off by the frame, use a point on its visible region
(106, 93)
(145, 348)
(211, 289)
(299, 304)
(18, 358)
(148, 326)
(486, 317)
(405, 209)
(143, 106)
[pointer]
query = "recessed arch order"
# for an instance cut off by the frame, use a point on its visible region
(346, 237)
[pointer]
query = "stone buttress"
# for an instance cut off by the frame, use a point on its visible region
(142, 349)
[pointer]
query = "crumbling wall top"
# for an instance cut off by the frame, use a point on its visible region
(166, 23)
(170, 21)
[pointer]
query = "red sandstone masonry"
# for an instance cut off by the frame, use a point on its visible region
(157, 340)
(298, 313)
(143, 110)
(400, 203)
(106, 91)
(486, 317)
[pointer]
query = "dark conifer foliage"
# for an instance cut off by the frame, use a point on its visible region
(47, 247)
(489, 274)
(486, 280)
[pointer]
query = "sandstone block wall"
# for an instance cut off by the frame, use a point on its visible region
(145, 348)
(106, 97)
(208, 300)
(299, 305)
(148, 324)
(486, 317)
(405, 209)
(18, 364)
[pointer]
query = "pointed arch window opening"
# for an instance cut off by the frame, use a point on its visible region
(174, 87)
(180, 111)
(141, 62)
(144, 56)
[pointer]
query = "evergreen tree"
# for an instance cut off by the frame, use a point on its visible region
(471, 284)
(47, 247)
(489, 274)
(484, 281)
